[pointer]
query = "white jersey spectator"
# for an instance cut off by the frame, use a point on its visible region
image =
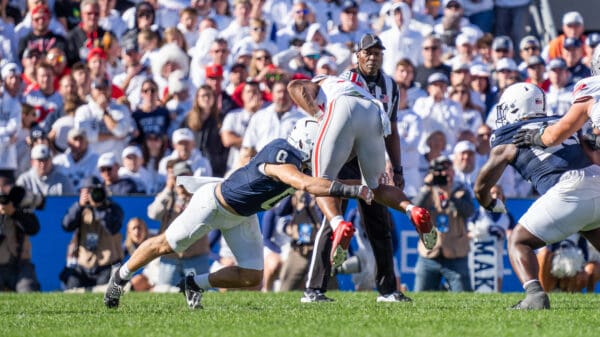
(43, 178)
(78, 162)
(185, 150)
(400, 41)
(10, 125)
(409, 129)
(108, 127)
(438, 113)
(132, 168)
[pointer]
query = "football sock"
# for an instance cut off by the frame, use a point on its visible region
(336, 221)
(202, 281)
(408, 208)
(533, 287)
(124, 273)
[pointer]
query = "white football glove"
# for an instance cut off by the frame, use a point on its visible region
(496, 206)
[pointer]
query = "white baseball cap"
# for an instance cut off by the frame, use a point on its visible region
(506, 63)
(462, 146)
(107, 159)
(40, 151)
(572, 17)
(181, 135)
(131, 149)
(10, 68)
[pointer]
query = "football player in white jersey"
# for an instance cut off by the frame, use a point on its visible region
(586, 93)
(352, 122)
(567, 179)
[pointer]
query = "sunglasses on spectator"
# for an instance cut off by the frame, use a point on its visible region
(92, 13)
(302, 11)
(106, 169)
(501, 50)
(433, 48)
(453, 6)
(149, 90)
(144, 14)
(57, 58)
(263, 57)
(531, 48)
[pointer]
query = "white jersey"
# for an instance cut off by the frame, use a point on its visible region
(589, 88)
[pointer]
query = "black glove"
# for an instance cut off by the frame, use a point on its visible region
(592, 140)
(528, 138)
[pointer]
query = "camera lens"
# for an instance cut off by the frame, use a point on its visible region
(98, 194)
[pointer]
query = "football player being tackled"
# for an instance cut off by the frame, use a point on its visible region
(352, 122)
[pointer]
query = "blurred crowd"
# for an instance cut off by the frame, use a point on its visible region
(129, 94)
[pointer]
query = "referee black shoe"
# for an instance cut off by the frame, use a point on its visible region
(313, 296)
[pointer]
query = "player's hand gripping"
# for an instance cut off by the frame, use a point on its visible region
(528, 138)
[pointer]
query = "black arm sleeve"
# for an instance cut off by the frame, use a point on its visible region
(27, 221)
(72, 220)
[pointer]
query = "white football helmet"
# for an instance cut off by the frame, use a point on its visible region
(595, 64)
(304, 136)
(520, 101)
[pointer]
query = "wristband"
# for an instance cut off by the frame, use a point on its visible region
(399, 170)
(338, 189)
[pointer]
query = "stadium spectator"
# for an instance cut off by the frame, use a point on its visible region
(83, 84)
(167, 205)
(110, 18)
(41, 37)
(432, 60)
(572, 27)
(591, 41)
(85, 36)
(236, 122)
(12, 84)
(184, 149)
(453, 22)
(25, 26)
(44, 97)
(78, 162)
(25, 138)
(144, 18)
(132, 167)
(108, 166)
(97, 64)
(30, 60)
(134, 74)
(269, 123)
(480, 13)
(528, 46)
(400, 41)
(303, 61)
(179, 100)
(438, 112)
(188, 23)
(536, 70)
(239, 28)
(10, 122)
(502, 47)
(409, 125)
(450, 204)
(137, 232)
(573, 56)
(57, 58)
(106, 123)
(154, 149)
(257, 38)
(44, 178)
(471, 113)
(481, 86)
(167, 60)
(349, 31)
(463, 161)
(96, 246)
(150, 116)
(561, 87)
(17, 224)
(296, 29)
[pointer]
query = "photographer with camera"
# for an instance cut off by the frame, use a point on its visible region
(17, 223)
(96, 244)
(450, 205)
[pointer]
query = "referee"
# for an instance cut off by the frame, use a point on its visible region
(376, 219)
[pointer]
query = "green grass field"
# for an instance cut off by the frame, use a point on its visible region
(282, 315)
